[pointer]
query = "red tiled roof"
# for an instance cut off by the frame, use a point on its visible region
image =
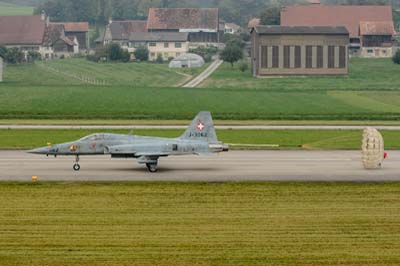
(121, 30)
(377, 28)
(348, 16)
(74, 26)
(21, 30)
(182, 18)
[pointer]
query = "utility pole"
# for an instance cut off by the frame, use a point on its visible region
(1, 69)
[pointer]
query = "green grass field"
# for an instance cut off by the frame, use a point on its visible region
(123, 102)
(286, 139)
(114, 74)
(7, 9)
(145, 91)
(199, 224)
(364, 74)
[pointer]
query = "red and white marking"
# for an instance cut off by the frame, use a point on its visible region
(200, 126)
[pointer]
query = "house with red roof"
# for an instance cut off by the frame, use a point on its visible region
(371, 28)
(36, 33)
(202, 24)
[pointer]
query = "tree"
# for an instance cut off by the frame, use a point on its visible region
(271, 16)
(396, 57)
(141, 53)
(232, 54)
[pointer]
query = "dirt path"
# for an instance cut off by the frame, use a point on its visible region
(204, 75)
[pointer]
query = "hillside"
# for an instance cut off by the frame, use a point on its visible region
(7, 9)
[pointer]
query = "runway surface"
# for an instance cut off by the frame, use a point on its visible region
(231, 166)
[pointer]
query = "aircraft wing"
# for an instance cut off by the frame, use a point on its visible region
(132, 150)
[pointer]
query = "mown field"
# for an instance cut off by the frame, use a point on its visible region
(146, 91)
(123, 102)
(199, 224)
(286, 139)
(7, 9)
(70, 72)
(364, 74)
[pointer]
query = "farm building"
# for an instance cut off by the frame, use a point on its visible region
(371, 27)
(23, 32)
(36, 33)
(165, 44)
(78, 31)
(187, 60)
(283, 50)
(121, 31)
(202, 24)
(54, 37)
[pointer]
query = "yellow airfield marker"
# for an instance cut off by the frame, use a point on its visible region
(34, 179)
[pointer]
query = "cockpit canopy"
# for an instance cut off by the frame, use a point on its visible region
(93, 137)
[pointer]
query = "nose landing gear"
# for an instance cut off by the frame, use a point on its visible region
(76, 166)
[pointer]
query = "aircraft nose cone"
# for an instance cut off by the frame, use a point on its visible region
(43, 150)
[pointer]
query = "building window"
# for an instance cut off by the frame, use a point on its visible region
(331, 56)
(320, 56)
(297, 56)
(370, 51)
(308, 56)
(152, 55)
(166, 45)
(166, 55)
(286, 56)
(342, 56)
(178, 45)
(152, 44)
(275, 56)
(264, 57)
(178, 54)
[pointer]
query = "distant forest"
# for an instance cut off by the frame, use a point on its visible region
(99, 11)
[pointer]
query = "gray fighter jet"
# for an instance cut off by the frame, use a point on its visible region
(200, 138)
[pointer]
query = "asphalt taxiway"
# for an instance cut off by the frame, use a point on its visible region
(231, 166)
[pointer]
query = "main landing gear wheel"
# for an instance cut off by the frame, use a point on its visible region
(152, 167)
(76, 166)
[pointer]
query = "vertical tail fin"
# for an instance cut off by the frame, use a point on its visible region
(201, 128)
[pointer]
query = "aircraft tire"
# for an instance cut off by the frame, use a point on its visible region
(77, 167)
(152, 167)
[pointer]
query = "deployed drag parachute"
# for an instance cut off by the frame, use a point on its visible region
(373, 149)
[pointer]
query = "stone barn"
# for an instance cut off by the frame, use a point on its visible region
(283, 50)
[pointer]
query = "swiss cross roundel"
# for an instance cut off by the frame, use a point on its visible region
(200, 125)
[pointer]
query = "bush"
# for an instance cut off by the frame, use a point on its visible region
(93, 57)
(111, 52)
(396, 57)
(142, 53)
(14, 56)
(33, 56)
(159, 59)
(125, 56)
(243, 66)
